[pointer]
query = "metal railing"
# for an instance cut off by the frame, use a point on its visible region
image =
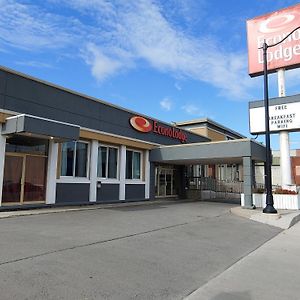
(208, 183)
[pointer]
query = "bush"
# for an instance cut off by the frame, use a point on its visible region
(284, 192)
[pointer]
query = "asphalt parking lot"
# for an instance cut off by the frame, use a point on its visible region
(149, 251)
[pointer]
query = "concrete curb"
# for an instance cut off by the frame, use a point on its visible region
(41, 211)
(50, 210)
(284, 219)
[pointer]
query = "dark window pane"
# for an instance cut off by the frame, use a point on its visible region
(112, 163)
(128, 164)
(27, 144)
(101, 170)
(67, 158)
(136, 165)
(81, 159)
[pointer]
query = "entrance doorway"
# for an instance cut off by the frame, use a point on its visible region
(25, 168)
(165, 182)
(24, 179)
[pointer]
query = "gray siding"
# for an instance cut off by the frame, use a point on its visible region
(25, 95)
(40, 126)
(108, 192)
(135, 192)
(2, 88)
(205, 153)
(72, 192)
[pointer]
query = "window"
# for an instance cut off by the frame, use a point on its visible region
(133, 165)
(74, 159)
(107, 162)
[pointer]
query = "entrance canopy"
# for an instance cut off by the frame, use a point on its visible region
(244, 151)
(36, 126)
(231, 151)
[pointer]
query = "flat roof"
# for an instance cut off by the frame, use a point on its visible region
(219, 152)
(209, 121)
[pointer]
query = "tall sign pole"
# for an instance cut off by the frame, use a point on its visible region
(285, 158)
(268, 176)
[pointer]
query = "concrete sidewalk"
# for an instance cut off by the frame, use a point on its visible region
(283, 219)
(269, 273)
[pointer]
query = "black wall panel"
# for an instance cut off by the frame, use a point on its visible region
(135, 192)
(72, 192)
(108, 192)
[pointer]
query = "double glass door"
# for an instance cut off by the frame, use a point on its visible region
(24, 178)
(165, 185)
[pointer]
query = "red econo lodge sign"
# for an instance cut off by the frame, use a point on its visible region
(143, 125)
(273, 28)
(140, 124)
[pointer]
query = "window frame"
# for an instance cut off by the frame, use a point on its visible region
(73, 177)
(141, 166)
(107, 146)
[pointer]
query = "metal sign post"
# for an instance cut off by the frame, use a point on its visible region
(268, 176)
(285, 158)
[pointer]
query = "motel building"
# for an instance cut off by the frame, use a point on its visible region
(58, 147)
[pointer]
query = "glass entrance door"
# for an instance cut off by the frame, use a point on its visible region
(24, 178)
(35, 176)
(169, 182)
(164, 182)
(12, 180)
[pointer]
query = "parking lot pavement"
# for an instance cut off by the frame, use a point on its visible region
(157, 251)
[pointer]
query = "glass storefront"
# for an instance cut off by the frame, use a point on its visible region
(165, 181)
(25, 170)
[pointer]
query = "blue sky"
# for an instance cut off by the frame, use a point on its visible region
(174, 60)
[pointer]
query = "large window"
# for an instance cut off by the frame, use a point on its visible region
(74, 159)
(107, 162)
(133, 164)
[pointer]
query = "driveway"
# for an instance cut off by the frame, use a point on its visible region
(149, 251)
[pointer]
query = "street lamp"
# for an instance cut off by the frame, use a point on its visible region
(269, 209)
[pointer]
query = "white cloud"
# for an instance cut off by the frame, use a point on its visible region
(102, 66)
(170, 50)
(192, 109)
(166, 104)
(101, 5)
(120, 34)
(28, 27)
(35, 64)
(178, 86)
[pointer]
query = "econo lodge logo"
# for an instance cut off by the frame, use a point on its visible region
(274, 28)
(143, 125)
(279, 22)
(140, 124)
